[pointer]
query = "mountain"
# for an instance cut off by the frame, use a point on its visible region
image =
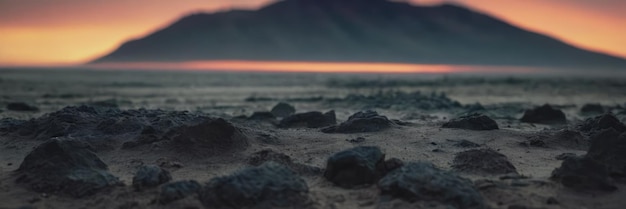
(355, 31)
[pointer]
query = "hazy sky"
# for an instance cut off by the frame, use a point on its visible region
(35, 32)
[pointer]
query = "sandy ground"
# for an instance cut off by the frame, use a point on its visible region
(422, 140)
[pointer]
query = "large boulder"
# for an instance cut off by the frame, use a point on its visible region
(472, 122)
(424, 182)
(364, 121)
(178, 190)
(355, 166)
(544, 115)
(269, 185)
(482, 161)
(309, 120)
(65, 166)
(150, 176)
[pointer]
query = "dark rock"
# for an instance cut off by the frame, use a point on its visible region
(424, 182)
(283, 110)
(150, 176)
(208, 135)
(552, 201)
(484, 161)
(537, 143)
(262, 116)
(592, 126)
(178, 190)
(564, 156)
(592, 109)
(355, 166)
(309, 120)
(544, 115)
(472, 122)
(356, 140)
(609, 148)
(65, 166)
(364, 121)
(263, 156)
(465, 144)
(168, 163)
(269, 185)
(20, 106)
(583, 173)
(94, 123)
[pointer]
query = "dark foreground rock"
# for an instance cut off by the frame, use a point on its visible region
(150, 176)
(609, 148)
(178, 190)
(356, 166)
(544, 115)
(309, 120)
(583, 173)
(283, 110)
(594, 125)
(263, 156)
(482, 161)
(269, 185)
(65, 166)
(20, 106)
(425, 182)
(472, 122)
(364, 121)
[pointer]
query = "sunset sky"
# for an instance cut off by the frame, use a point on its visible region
(59, 32)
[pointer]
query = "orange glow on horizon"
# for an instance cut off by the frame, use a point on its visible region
(51, 32)
(321, 67)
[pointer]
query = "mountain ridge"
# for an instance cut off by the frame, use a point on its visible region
(355, 31)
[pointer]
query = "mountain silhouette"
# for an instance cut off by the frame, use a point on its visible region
(355, 31)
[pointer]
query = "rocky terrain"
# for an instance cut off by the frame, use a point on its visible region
(400, 148)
